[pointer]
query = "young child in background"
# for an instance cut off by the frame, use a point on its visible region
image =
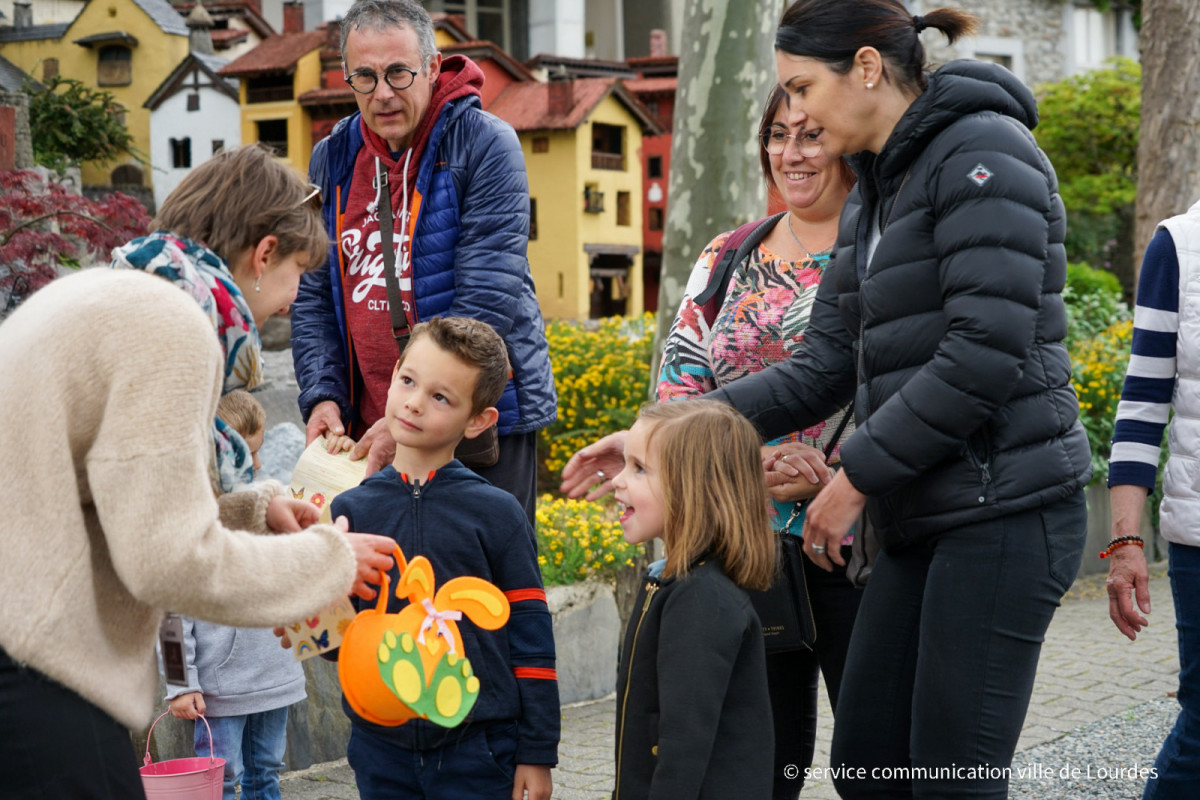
(693, 712)
(445, 387)
(240, 679)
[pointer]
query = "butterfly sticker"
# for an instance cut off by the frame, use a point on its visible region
(322, 641)
(298, 494)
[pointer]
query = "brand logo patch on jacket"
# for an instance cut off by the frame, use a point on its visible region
(980, 174)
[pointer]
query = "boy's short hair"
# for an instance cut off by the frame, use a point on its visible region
(475, 344)
(241, 411)
(240, 196)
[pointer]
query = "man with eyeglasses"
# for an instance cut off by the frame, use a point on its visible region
(459, 198)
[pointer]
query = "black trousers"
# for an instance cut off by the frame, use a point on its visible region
(516, 471)
(944, 652)
(55, 745)
(792, 678)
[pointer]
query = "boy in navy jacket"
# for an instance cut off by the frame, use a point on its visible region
(443, 388)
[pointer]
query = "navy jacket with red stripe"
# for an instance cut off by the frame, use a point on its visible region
(467, 527)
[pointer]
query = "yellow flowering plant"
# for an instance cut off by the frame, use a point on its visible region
(578, 540)
(1098, 373)
(602, 374)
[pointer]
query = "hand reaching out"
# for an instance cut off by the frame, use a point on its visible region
(592, 468)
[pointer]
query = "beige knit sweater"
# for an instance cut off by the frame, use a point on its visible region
(108, 385)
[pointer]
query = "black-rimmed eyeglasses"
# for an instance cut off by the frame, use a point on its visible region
(807, 143)
(399, 78)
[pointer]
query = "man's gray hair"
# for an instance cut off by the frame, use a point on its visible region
(383, 15)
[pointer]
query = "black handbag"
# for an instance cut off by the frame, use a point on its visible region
(484, 449)
(784, 609)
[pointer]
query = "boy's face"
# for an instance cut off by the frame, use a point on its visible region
(429, 401)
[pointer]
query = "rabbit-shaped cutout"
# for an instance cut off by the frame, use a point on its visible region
(394, 667)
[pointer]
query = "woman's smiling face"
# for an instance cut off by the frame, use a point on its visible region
(801, 180)
(819, 98)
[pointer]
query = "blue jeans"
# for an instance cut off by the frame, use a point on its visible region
(944, 651)
(480, 765)
(1177, 768)
(252, 746)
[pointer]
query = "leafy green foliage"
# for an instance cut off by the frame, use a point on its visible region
(72, 123)
(1089, 129)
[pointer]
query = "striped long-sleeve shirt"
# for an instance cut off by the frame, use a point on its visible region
(1150, 382)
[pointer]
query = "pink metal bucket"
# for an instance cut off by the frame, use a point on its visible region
(183, 778)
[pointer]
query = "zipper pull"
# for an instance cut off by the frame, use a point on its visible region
(651, 588)
(987, 478)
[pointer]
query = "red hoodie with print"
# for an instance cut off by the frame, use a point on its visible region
(368, 319)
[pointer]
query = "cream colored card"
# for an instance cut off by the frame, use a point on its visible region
(319, 477)
(320, 633)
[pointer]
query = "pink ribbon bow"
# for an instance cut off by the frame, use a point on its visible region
(432, 615)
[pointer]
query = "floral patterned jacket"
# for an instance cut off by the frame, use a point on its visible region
(761, 321)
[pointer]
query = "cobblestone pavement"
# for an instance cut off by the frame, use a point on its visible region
(1088, 672)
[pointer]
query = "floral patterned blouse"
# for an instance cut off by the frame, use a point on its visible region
(762, 320)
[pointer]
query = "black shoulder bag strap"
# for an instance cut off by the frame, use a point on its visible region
(401, 328)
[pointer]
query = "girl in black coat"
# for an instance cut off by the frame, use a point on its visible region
(693, 713)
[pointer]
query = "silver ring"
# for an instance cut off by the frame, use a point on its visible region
(818, 548)
(600, 474)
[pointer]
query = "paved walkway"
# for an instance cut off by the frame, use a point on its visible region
(1088, 672)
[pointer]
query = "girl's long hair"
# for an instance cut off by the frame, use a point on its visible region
(714, 496)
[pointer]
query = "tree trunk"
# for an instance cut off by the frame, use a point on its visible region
(1169, 140)
(725, 70)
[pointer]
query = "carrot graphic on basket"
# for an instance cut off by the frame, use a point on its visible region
(394, 667)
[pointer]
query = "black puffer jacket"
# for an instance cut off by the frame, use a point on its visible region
(965, 408)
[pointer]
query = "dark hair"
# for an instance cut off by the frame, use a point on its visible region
(777, 98)
(475, 344)
(833, 31)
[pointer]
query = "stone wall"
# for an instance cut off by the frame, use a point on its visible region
(18, 141)
(1029, 31)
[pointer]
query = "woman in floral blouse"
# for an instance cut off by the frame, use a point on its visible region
(761, 320)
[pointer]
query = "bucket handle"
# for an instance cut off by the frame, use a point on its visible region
(147, 762)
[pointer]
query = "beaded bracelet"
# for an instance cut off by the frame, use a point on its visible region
(1121, 541)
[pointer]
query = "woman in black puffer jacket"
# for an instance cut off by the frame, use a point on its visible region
(943, 308)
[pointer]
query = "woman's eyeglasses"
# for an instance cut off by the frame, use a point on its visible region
(807, 143)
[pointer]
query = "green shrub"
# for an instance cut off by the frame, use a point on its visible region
(578, 540)
(1093, 298)
(602, 374)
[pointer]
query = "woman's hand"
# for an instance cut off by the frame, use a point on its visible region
(288, 515)
(829, 518)
(794, 471)
(592, 469)
(373, 554)
(1127, 573)
(377, 446)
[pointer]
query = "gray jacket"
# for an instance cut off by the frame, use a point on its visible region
(238, 670)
